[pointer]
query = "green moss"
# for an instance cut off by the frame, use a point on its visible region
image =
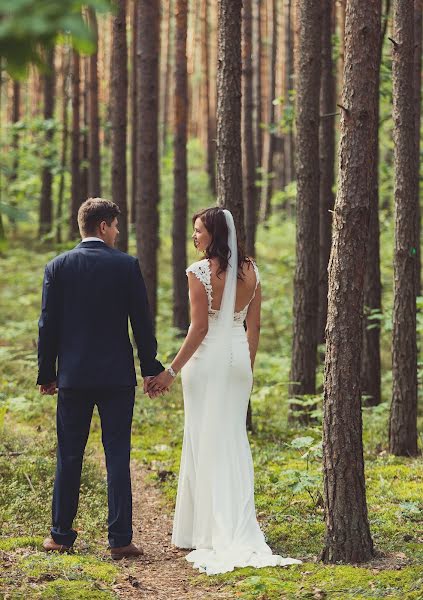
(74, 567)
(13, 543)
(75, 590)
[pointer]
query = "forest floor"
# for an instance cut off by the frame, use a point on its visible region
(287, 461)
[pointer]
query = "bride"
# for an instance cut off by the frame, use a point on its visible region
(215, 513)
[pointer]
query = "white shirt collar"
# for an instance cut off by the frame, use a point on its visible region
(93, 239)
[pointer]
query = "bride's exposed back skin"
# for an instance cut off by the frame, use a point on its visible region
(215, 512)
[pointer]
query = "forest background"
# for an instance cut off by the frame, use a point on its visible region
(131, 104)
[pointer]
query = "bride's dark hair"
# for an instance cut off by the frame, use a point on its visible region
(215, 222)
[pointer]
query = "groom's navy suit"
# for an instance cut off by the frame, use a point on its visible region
(89, 293)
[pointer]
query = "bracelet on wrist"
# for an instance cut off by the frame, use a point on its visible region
(171, 371)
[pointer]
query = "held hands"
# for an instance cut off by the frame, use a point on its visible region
(48, 389)
(160, 384)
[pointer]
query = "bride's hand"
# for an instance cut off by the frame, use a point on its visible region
(160, 384)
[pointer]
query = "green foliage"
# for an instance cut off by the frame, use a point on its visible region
(28, 27)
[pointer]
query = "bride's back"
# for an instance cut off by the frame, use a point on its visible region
(244, 289)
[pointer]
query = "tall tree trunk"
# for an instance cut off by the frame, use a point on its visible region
(119, 110)
(210, 144)
(66, 60)
(249, 161)
(46, 201)
(148, 187)
(94, 175)
(15, 117)
(269, 140)
(341, 8)
(167, 54)
(327, 162)
(403, 417)
(306, 282)
(418, 7)
(134, 108)
(288, 85)
(75, 170)
(180, 193)
(84, 152)
(347, 536)
(229, 166)
(370, 356)
(257, 73)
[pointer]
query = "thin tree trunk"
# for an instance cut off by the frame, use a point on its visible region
(417, 113)
(119, 110)
(370, 357)
(180, 194)
(306, 282)
(249, 161)
(167, 74)
(327, 162)
(84, 152)
(66, 60)
(341, 8)
(210, 144)
(76, 175)
(269, 140)
(403, 417)
(229, 166)
(46, 201)
(258, 51)
(15, 116)
(148, 187)
(347, 536)
(134, 108)
(288, 85)
(94, 175)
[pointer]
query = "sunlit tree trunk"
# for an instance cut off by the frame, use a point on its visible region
(75, 170)
(46, 200)
(66, 60)
(94, 175)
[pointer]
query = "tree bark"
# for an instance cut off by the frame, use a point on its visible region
(46, 201)
(257, 74)
(288, 85)
(134, 108)
(180, 195)
(119, 111)
(167, 54)
(66, 60)
(229, 166)
(306, 281)
(327, 162)
(269, 139)
(403, 417)
(210, 143)
(75, 171)
(94, 175)
(418, 8)
(249, 161)
(347, 536)
(148, 182)
(370, 357)
(84, 152)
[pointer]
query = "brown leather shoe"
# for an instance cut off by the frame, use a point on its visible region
(50, 545)
(126, 551)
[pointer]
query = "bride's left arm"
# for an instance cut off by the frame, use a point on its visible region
(196, 333)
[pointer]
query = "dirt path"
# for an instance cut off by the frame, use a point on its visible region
(162, 573)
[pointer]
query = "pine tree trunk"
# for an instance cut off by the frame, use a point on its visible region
(210, 144)
(180, 194)
(370, 357)
(327, 162)
(418, 8)
(66, 60)
(148, 182)
(119, 110)
(306, 281)
(84, 152)
(269, 140)
(249, 161)
(229, 166)
(94, 175)
(167, 74)
(46, 201)
(134, 109)
(15, 116)
(257, 74)
(75, 170)
(341, 8)
(403, 417)
(347, 536)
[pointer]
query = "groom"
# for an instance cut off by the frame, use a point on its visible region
(88, 295)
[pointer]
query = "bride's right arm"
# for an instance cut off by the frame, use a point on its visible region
(199, 322)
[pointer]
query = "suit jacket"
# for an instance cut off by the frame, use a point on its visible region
(88, 295)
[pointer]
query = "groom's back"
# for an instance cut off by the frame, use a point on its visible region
(92, 291)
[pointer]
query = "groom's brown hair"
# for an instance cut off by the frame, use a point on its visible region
(93, 211)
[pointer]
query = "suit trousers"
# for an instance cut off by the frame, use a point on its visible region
(74, 413)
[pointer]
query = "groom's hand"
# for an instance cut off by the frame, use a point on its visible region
(160, 384)
(48, 389)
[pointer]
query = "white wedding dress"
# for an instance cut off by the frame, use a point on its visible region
(215, 511)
